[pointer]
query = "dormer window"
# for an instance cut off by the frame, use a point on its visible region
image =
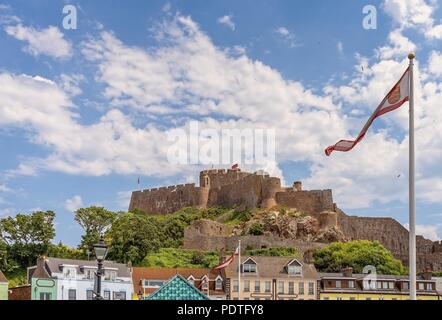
(89, 273)
(219, 283)
(69, 272)
(249, 266)
(294, 268)
(110, 275)
(191, 280)
(205, 283)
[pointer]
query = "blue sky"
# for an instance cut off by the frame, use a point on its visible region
(84, 112)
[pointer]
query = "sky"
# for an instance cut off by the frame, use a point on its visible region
(86, 109)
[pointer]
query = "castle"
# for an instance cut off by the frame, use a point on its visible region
(232, 188)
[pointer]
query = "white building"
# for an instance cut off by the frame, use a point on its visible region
(75, 279)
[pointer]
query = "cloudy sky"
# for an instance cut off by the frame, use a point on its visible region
(85, 112)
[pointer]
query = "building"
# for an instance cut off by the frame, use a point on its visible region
(3, 287)
(66, 279)
(20, 292)
(147, 280)
(346, 285)
(230, 188)
(271, 278)
(177, 288)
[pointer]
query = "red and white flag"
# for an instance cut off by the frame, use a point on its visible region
(235, 166)
(397, 96)
(226, 263)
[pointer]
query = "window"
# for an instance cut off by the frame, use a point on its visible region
(301, 288)
(294, 270)
(110, 275)
(235, 286)
(249, 267)
(430, 286)
(89, 294)
(391, 285)
(107, 295)
(311, 288)
(338, 283)
(72, 294)
(421, 286)
(191, 281)
(69, 272)
(384, 285)
(120, 295)
(45, 296)
(246, 285)
(280, 287)
(205, 284)
(351, 284)
(89, 273)
(267, 286)
(257, 286)
(153, 283)
(291, 288)
(219, 284)
(406, 286)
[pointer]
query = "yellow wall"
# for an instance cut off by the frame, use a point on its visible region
(372, 296)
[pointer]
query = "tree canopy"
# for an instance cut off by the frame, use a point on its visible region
(357, 254)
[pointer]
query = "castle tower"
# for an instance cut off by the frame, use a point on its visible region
(270, 186)
(204, 180)
(297, 186)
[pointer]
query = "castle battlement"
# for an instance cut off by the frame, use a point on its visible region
(229, 188)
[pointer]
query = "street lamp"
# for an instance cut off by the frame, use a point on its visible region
(100, 250)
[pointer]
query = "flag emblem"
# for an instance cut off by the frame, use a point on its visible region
(395, 95)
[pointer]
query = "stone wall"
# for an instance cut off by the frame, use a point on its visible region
(169, 199)
(310, 202)
(392, 235)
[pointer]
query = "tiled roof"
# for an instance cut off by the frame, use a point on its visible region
(2, 277)
(54, 264)
(271, 267)
(139, 274)
(177, 289)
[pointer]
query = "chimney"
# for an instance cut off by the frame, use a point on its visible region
(297, 186)
(427, 275)
(41, 262)
(347, 272)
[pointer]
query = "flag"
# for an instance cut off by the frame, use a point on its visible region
(226, 263)
(235, 166)
(397, 96)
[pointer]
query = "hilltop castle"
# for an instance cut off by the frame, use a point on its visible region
(232, 188)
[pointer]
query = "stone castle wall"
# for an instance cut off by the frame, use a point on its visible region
(231, 188)
(392, 235)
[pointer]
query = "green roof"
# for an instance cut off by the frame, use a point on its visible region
(177, 288)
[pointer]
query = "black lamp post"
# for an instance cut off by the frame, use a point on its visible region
(100, 250)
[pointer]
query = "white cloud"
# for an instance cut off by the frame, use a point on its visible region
(435, 63)
(49, 41)
(399, 45)
(430, 232)
(123, 199)
(340, 47)
(73, 204)
(288, 37)
(227, 20)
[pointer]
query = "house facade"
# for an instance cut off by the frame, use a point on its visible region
(271, 278)
(66, 279)
(147, 280)
(349, 286)
(3, 287)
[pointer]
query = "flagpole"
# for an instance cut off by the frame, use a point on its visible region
(412, 201)
(239, 269)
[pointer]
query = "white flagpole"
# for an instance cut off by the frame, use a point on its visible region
(412, 202)
(239, 269)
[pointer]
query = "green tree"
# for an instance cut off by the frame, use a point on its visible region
(132, 236)
(94, 221)
(256, 229)
(357, 254)
(27, 236)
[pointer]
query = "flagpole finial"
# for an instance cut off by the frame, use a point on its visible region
(411, 56)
